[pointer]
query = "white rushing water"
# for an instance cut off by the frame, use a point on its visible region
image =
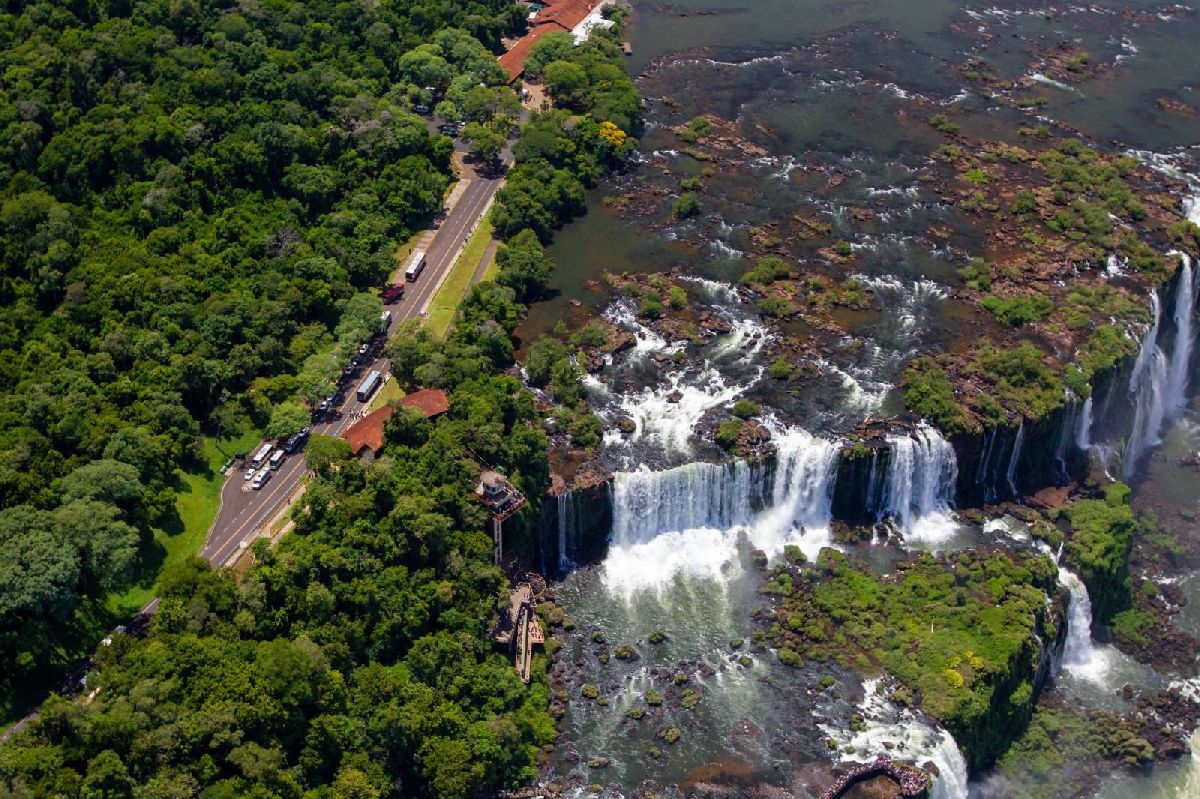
(1082, 658)
(1147, 386)
(689, 519)
(667, 414)
(909, 737)
(1181, 356)
(1014, 458)
(920, 487)
(1083, 426)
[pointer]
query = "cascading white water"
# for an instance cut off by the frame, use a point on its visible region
(1083, 427)
(696, 495)
(920, 486)
(1081, 657)
(667, 414)
(1014, 458)
(908, 736)
(1181, 356)
(1147, 386)
(688, 519)
(566, 529)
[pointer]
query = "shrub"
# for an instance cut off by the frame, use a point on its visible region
(1018, 310)
(686, 205)
(651, 306)
(727, 432)
(977, 274)
(676, 298)
(780, 369)
(767, 270)
(775, 307)
(942, 124)
(745, 409)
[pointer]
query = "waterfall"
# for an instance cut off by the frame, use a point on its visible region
(908, 736)
(567, 525)
(696, 495)
(982, 474)
(1146, 386)
(1083, 427)
(689, 518)
(921, 482)
(1181, 354)
(1081, 657)
(1014, 458)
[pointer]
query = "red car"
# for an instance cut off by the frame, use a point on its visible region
(393, 293)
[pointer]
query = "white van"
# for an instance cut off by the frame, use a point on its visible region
(260, 457)
(276, 460)
(260, 479)
(415, 264)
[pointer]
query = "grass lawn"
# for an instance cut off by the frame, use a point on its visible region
(196, 506)
(390, 391)
(489, 273)
(445, 303)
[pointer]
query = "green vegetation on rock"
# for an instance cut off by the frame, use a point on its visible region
(963, 633)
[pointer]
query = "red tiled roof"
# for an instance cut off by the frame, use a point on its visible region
(368, 431)
(566, 13)
(563, 15)
(513, 62)
(429, 401)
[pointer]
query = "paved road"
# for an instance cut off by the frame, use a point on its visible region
(244, 512)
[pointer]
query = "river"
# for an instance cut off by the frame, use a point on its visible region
(833, 96)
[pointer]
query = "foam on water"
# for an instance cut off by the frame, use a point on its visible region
(909, 737)
(688, 520)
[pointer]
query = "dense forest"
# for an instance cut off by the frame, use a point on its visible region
(354, 659)
(196, 197)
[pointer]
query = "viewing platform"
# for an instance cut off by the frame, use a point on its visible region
(519, 629)
(913, 782)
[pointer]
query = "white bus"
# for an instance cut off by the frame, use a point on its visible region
(415, 264)
(261, 456)
(260, 479)
(276, 460)
(369, 386)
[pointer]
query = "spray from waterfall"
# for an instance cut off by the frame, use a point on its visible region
(908, 736)
(688, 519)
(1081, 657)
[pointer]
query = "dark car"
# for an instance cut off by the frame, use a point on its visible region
(423, 110)
(296, 441)
(393, 293)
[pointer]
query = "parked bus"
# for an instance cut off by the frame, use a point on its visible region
(369, 386)
(415, 264)
(276, 460)
(261, 456)
(261, 478)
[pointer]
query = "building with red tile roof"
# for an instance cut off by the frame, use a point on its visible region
(367, 433)
(560, 15)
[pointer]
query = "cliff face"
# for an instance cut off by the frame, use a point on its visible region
(575, 526)
(986, 735)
